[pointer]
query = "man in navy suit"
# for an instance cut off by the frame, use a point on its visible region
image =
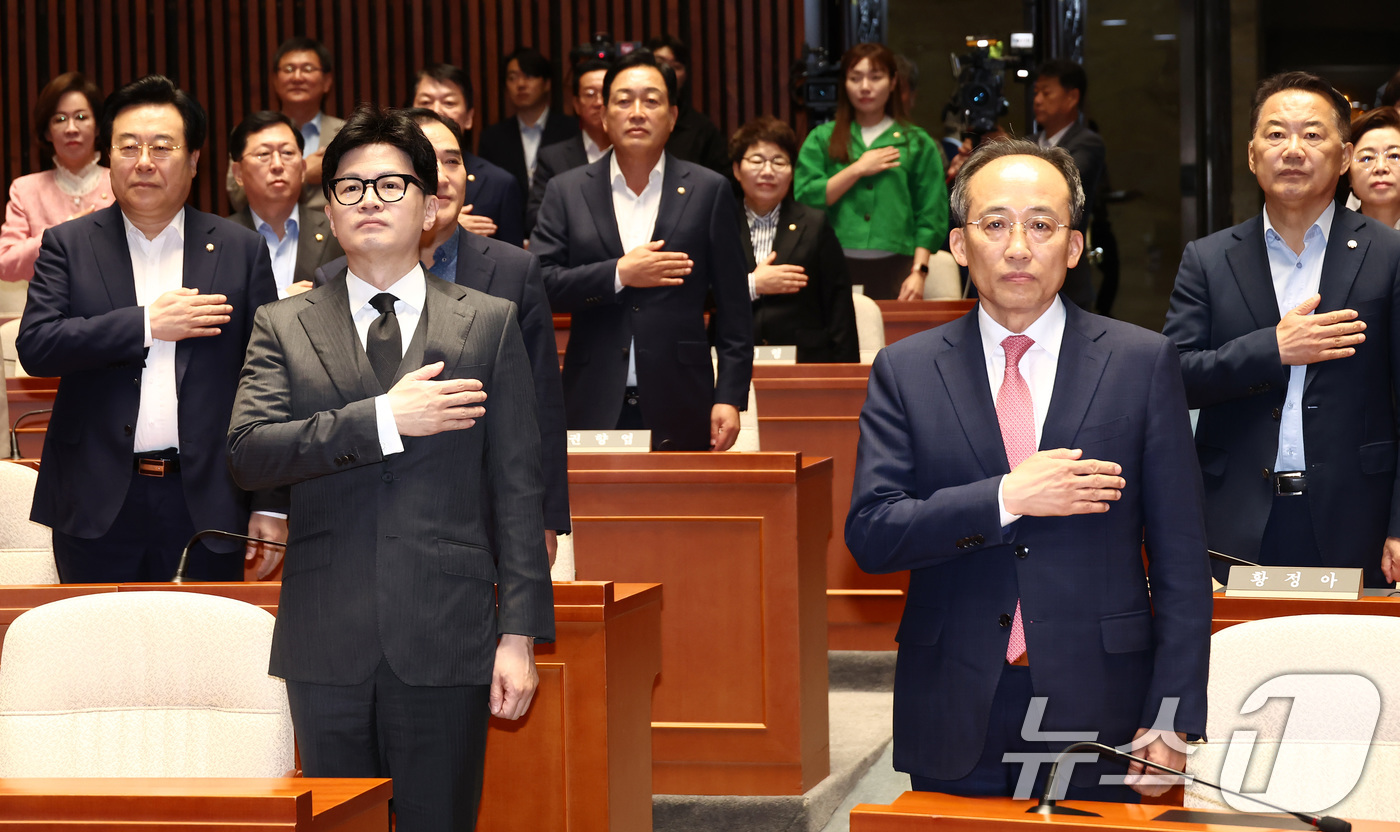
(514, 143)
(587, 147)
(492, 203)
(1026, 565)
(143, 311)
(632, 245)
(1287, 329)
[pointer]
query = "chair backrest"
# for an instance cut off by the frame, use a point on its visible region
(27, 567)
(9, 332)
(944, 280)
(870, 327)
(1321, 696)
(17, 531)
(563, 568)
(142, 684)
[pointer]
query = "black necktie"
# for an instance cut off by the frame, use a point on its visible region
(384, 345)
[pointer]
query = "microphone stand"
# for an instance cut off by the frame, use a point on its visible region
(1048, 807)
(14, 430)
(1231, 559)
(198, 536)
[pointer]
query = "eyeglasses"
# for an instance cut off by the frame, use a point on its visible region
(265, 156)
(60, 119)
(590, 93)
(997, 228)
(132, 150)
(292, 69)
(780, 163)
(391, 187)
(1368, 160)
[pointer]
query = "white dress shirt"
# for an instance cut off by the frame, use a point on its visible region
(311, 134)
(636, 222)
(530, 137)
(283, 251)
(412, 292)
(762, 232)
(1054, 141)
(592, 150)
(1038, 367)
(1296, 277)
(158, 266)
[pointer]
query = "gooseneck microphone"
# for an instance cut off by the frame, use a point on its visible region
(14, 430)
(198, 536)
(1047, 805)
(1231, 559)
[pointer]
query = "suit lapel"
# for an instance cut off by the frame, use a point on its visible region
(203, 249)
(474, 269)
(746, 239)
(312, 239)
(113, 257)
(1249, 262)
(332, 334)
(475, 181)
(450, 318)
(1077, 373)
(597, 192)
(963, 368)
(675, 198)
(1340, 265)
(790, 233)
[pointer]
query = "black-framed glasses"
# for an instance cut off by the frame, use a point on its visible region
(391, 187)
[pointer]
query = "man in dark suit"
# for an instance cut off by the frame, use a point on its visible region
(696, 138)
(268, 165)
(1287, 326)
(1027, 575)
(514, 143)
(416, 578)
(587, 147)
(143, 310)
(456, 255)
(632, 245)
(797, 273)
(492, 206)
(1060, 87)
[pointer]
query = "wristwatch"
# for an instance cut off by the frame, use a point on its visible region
(922, 268)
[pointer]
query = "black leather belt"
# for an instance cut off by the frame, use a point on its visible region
(1290, 483)
(157, 463)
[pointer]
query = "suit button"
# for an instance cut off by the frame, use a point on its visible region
(1264, 473)
(636, 309)
(136, 382)
(1023, 551)
(351, 457)
(1004, 619)
(870, 186)
(962, 543)
(1277, 414)
(867, 218)
(978, 540)
(128, 430)
(387, 477)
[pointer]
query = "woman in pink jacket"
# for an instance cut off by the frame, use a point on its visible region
(65, 121)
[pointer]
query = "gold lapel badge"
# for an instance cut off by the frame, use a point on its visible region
(1351, 244)
(208, 246)
(320, 237)
(792, 226)
(680, 190)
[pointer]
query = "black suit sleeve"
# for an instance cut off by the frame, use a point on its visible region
(537, 328)
(837, 306)
(730, 285)
(510, 226)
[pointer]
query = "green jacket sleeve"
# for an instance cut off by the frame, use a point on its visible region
(814, 167)
(928, 195)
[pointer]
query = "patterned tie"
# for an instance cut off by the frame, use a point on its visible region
(1017, 419)
(384, 345)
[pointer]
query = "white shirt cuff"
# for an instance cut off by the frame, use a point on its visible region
(617, 280)
(278, 514)
(753, 288)
(1007, 518)
(389, 440)
(146, 315)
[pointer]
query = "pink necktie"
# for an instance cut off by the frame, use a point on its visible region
(1017, 419)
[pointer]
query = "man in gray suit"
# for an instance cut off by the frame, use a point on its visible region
(269, 166)
(416, 579)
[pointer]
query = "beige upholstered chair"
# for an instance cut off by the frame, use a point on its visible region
(563, 569)
(26, 548)
(944, 281)
(142, 684)
(1321, 694)
(870, 327)
(9, 331)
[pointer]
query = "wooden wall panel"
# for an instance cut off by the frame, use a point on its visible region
(219, 50)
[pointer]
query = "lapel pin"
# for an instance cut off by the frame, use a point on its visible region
(208, 246)
(896, 134)
(680, 190)
(471, 177)
(1351, 244)
(320, 237)
(792, 226)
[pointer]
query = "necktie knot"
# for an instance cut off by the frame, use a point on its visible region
(383, 303)
(1016, 346)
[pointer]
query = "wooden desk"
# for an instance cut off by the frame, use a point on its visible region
(1231, 611)
(96, 805)
(906, 317)
(815, 408)
(739, 542)
(581, 757)
(925, 811)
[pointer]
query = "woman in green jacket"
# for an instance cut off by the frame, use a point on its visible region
(879, 178)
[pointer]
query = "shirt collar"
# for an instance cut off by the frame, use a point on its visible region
(590, 147)
(1054, 141)
(289, 229)
(770, 218)
(619, 181)
(177, 223)
(539, 122)
(312, 127)
(1047, 332)
(412, 289)
(447, 252)
(1322, 224)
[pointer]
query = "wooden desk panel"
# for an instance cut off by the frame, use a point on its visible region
(906, 317)
(191, 803)
(815, 409)
(1231, 611)
(739, 542)
(926, 811)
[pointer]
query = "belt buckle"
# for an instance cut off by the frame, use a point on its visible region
(1297, 478)
(151, 467)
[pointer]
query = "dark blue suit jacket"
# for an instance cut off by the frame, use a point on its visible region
(925, 499)
(494, 268)
(1222, 318)
(82, 324)
(493, 192)
(578, 244)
